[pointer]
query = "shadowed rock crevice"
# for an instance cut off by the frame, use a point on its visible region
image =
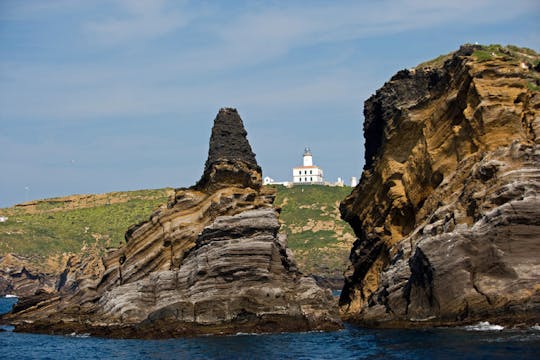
(419, 286)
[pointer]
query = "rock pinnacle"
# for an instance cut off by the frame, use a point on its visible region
(231, 161)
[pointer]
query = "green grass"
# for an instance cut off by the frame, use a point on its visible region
(523, 50)
(437, 62)
(532, 86)
(491, 52)
(507, 53)
(482, 55)
(64, 225)
(320, 251)
(55, 226)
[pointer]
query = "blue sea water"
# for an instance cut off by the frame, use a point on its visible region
(350, 343)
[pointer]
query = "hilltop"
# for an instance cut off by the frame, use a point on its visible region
(41, 235)
(65, 224)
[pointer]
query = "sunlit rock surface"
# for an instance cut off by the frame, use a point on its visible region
(447, 212)
(209, 262)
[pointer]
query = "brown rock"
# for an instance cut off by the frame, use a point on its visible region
(23, 277)
(210, 262)
(447, 212)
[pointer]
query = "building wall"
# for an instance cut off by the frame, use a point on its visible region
(308, 160)
(305, 175)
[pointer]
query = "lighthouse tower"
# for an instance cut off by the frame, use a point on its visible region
(308, 173)
(308, 158)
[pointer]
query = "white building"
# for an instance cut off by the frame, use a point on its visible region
(354, 181)
(309, 173)
(269, 181)
(3, 218)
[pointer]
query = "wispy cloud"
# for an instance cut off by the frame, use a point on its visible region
(34, 9)
(137, 21)
(81, 64)
(256, 38)
(273, 31)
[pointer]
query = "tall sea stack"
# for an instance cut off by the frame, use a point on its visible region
(211, 261)
(230, 158)
(447, 212)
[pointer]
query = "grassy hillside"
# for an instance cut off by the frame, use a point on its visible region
(39, 229)
(320, 240)
(52, 226)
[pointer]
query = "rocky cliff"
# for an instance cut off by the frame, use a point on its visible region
(447, 212)
(209, 262)
(20, 276)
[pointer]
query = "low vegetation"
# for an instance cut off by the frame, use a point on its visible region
(62, 225)
(508, 53)
(320, 240)
(490, 52)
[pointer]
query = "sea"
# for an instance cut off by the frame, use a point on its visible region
(481, 341)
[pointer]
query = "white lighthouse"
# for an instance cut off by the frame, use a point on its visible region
(308, 173)
(308, 158)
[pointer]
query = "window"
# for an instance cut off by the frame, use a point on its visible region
(310, 172)
(310, 179)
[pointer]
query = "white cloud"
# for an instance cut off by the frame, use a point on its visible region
(138, 20)
(301, 25)
(241, 39)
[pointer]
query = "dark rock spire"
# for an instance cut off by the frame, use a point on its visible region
(231, 162)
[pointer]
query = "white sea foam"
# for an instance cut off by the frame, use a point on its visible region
(535, 327)
(83, 335)
(11, 296)
(484, 326)
(248, 334)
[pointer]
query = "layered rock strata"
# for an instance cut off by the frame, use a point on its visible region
(20, 276)
(209, 262)
(25, 276)
(447, 212)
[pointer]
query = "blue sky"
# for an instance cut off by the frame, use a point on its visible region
(99, 96)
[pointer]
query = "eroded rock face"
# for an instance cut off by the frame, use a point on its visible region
(447, 212)
(24, 277)
(210, 262)
(20, 276)
(230, 158)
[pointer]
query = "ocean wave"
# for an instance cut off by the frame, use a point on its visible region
(11, 296)
(484, 326)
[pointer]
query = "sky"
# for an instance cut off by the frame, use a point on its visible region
(112, 95)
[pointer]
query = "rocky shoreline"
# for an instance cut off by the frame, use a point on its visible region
(446, 215)
(212, 261)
